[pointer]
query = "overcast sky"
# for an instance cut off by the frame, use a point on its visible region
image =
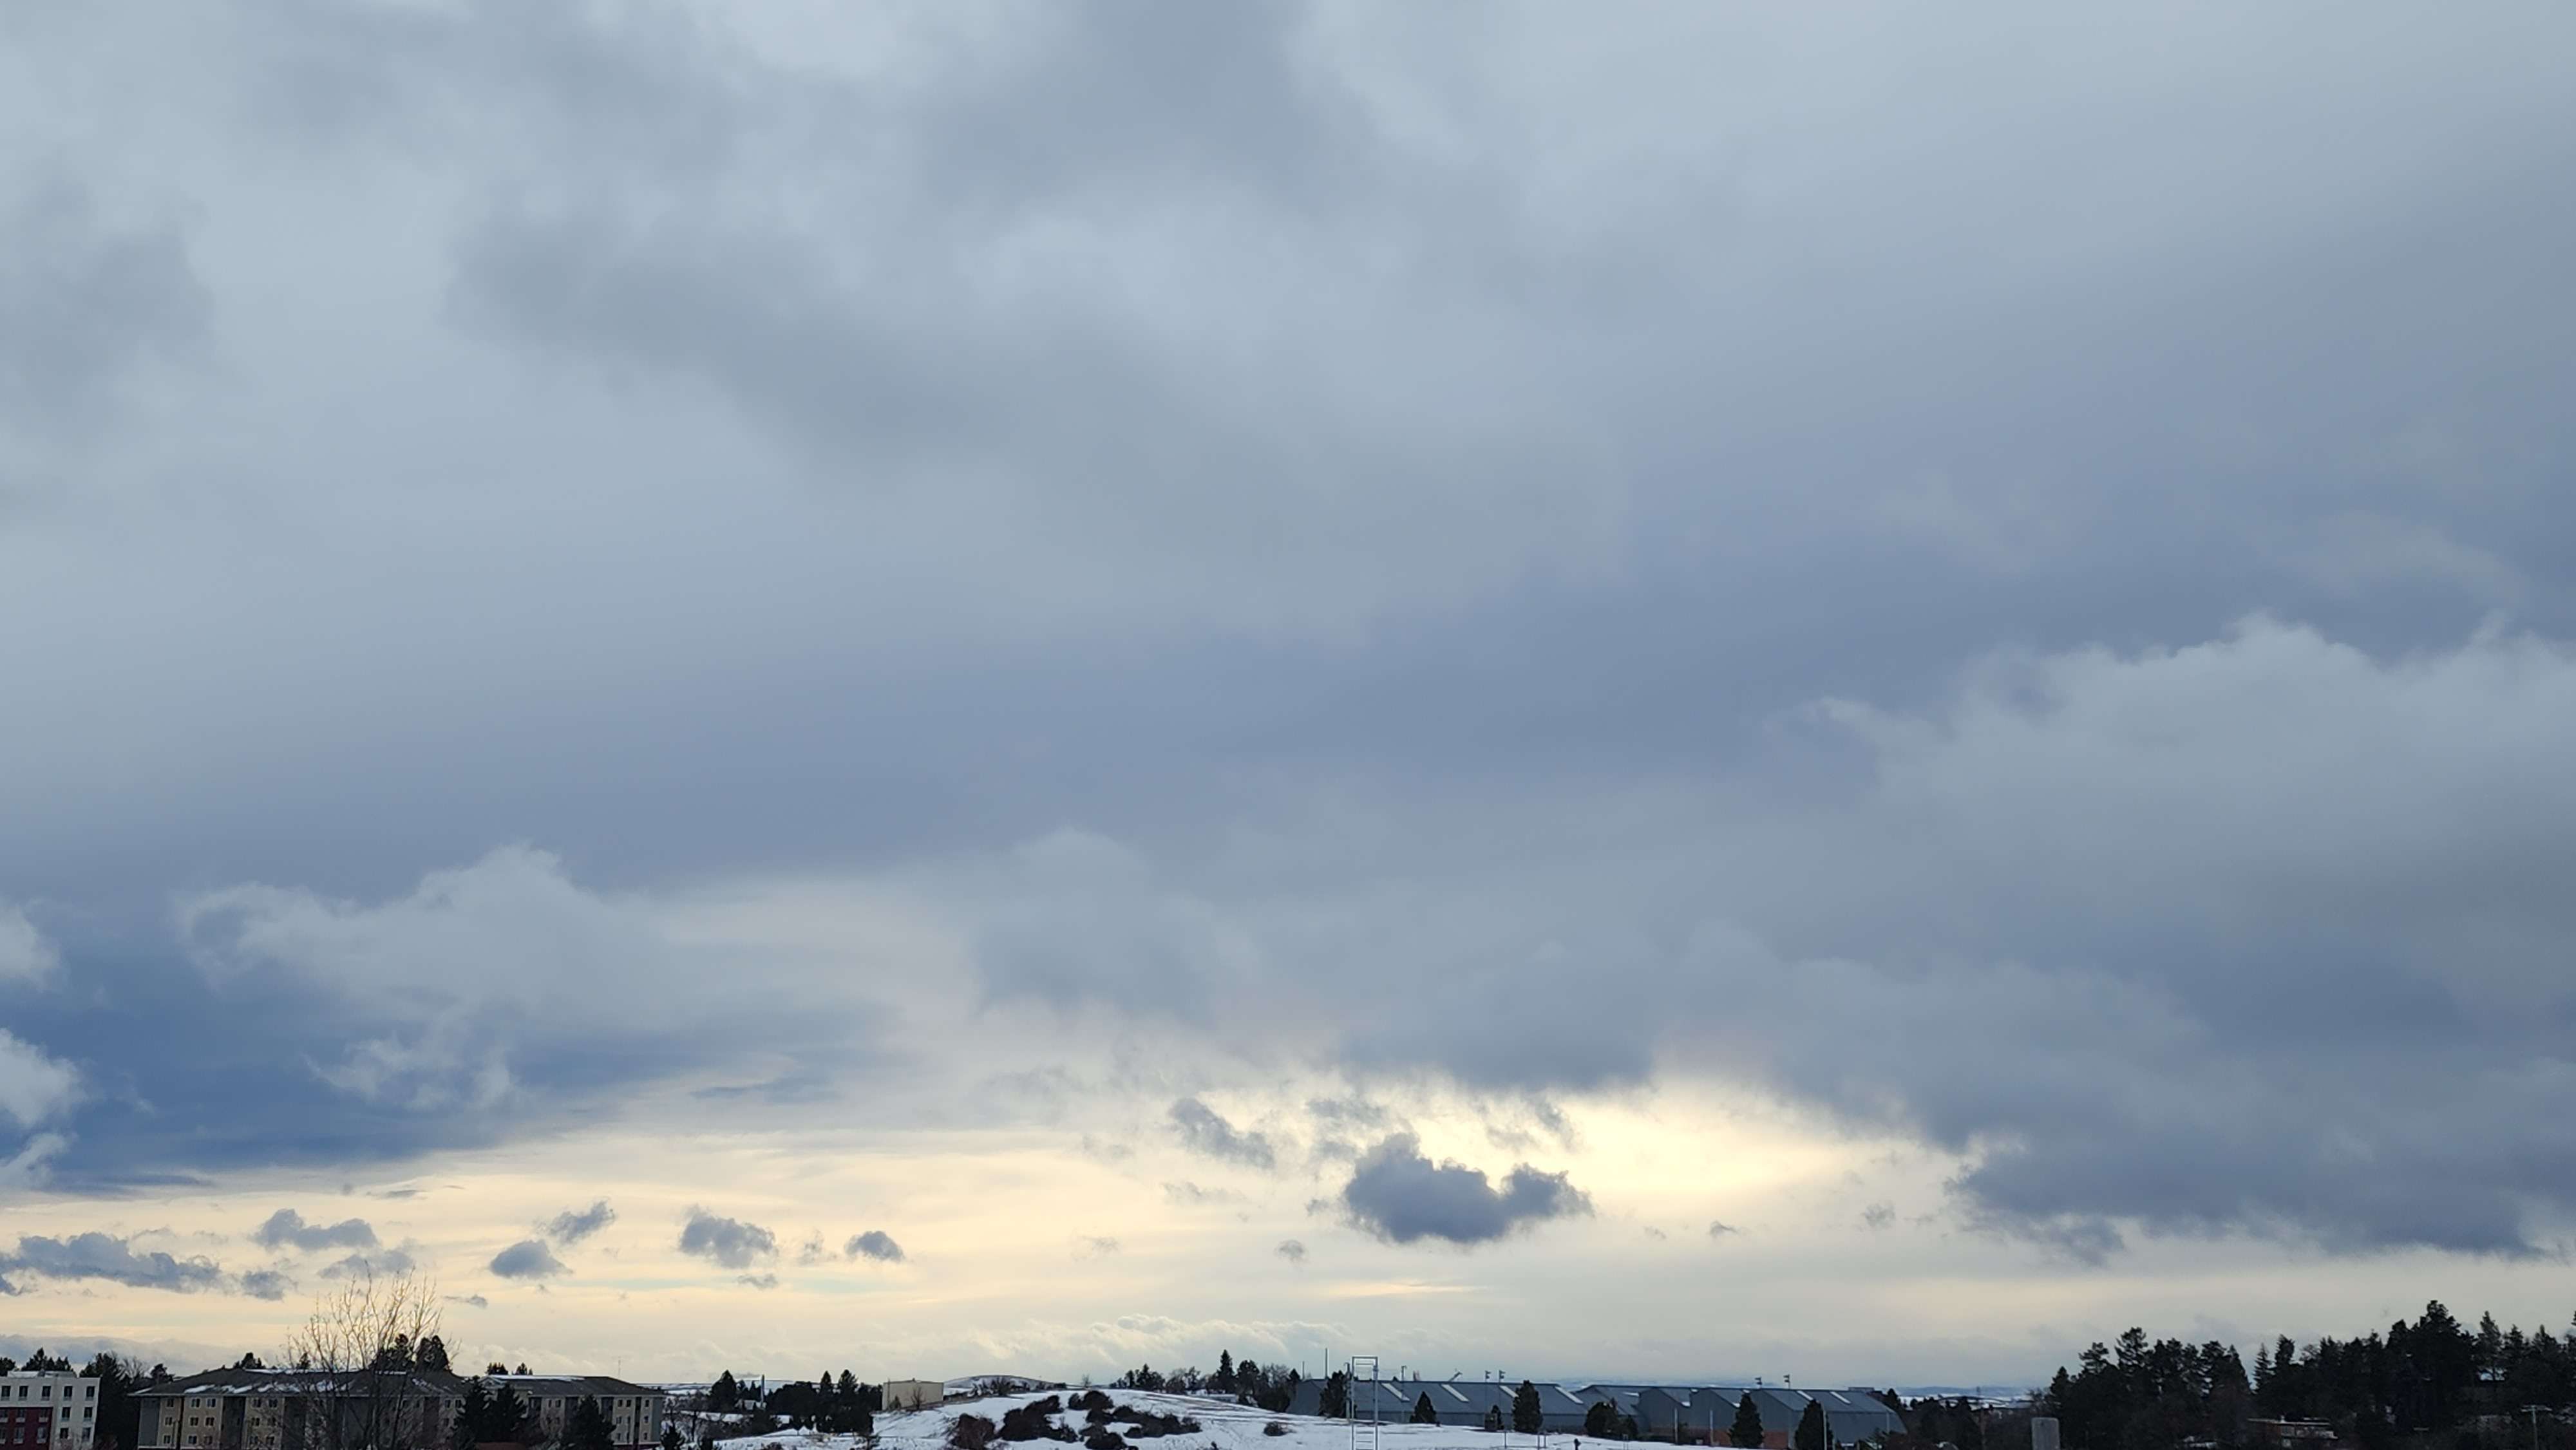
(1691, 690)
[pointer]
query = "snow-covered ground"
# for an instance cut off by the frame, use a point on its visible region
(1222, 1425)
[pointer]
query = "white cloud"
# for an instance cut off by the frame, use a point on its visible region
(34, 1088)
(25, 954)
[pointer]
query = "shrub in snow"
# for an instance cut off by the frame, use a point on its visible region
(1098, 1437)
(971, 1432)
(1274, 1428)
(1035, 1422)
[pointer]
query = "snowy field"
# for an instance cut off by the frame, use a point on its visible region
(1223, 1426)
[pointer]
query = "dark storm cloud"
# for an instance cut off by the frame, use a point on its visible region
(875, 1244)
(1403, 1197)
(266, 1284)
(726, 1241)
(109, 1258)
(286, 1228)
(528, 1259)
(1205, 1131)
(570, 1227)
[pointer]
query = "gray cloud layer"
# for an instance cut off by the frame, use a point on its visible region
(1227, 515)
(113, 1259)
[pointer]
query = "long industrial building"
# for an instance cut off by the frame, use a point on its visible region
(1689, 1414)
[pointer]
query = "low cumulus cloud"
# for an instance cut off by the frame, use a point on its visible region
(1402, 1197)
(875, 1244)
(570, 1227)
(368, 1263)
(1093, 1246)
(286, 1229)
(727, 1242)
(109, 1258)
(1719, 1228)
(471, 1301)
(1204, 1131)
(758, 1281)
(1292, 1250)
(1878, 1216)
(528, 1259)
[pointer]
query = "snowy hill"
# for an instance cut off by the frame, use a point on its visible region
(1224, 1426)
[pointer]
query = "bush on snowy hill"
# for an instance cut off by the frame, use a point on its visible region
(1035, 1421)
(1100, 1438)
(971, 1432)
(1091, 1400)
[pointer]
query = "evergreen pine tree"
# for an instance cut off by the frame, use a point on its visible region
(588, 1428)
(471, 1416)
(1527, 1416)
(1746, 1432)
(1223, 1380)
(1423, 1414)
(1811, 1428)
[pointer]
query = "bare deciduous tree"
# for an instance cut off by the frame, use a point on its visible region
(361, 1390)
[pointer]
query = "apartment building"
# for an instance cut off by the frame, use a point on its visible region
(285, 1409)
(634, 1412)
(49, 1408)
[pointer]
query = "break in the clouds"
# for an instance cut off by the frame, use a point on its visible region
(728, 1242)
(875, 1244)
(1459, 572)
(286, 1229)
(108, 1258)
(527, 1259)
(1203, 1130)
(1401, 1196)
(571, 1226)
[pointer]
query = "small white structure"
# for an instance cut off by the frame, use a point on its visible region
(2043, 1432)
(919, 1394)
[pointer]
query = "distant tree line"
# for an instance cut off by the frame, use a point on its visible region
(2432, 1383)
(836, 1404)
(1248, 1382)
